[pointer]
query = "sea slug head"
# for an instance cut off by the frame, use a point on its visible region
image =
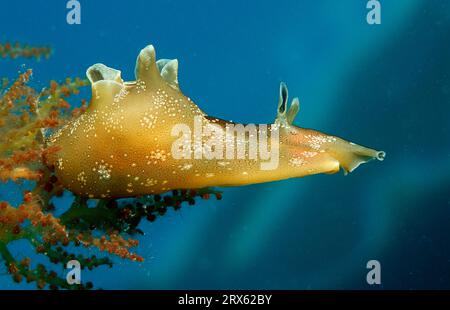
(314, 151)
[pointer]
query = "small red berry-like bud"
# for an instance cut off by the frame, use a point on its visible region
(16, 230)
(40, 284)
(53, 178)
(27, 197)
(205, 196)
(17, 277)
(40, 249)
(162, 211)
(12, 268)
(126, 213)
(168, 200)
(48, 187)
(65, 241)
(25, 262)
(218, 196)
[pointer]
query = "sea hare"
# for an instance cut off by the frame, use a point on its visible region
(147, 137)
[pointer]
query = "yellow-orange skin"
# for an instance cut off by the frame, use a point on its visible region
(121, 145)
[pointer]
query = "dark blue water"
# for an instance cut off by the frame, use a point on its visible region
(386, 86)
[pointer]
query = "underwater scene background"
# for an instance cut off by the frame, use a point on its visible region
(387, 86)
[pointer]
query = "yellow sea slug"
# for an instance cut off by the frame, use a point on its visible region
(146, 137)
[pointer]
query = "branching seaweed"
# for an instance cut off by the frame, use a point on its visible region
(26, 116)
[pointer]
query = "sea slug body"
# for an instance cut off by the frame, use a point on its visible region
(147, 137)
